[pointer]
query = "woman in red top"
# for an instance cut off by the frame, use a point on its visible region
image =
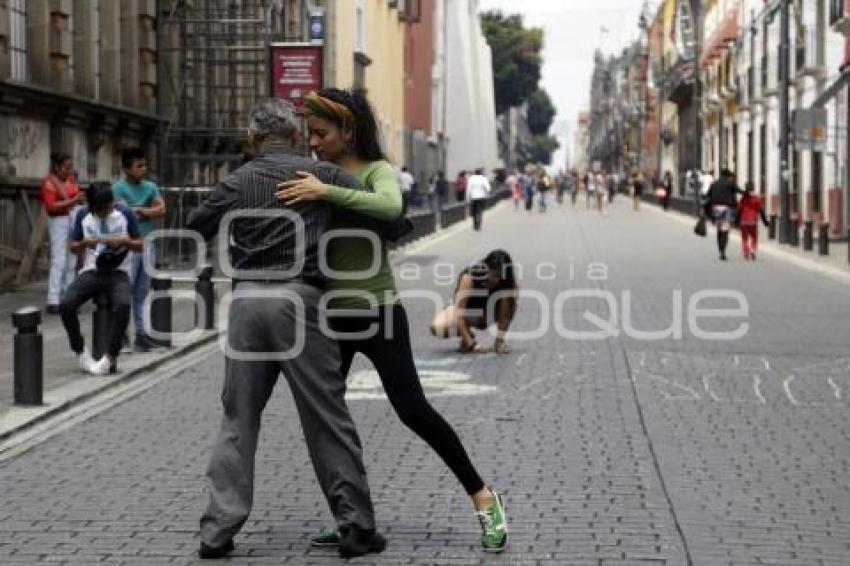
(60, 195)
(750, 208)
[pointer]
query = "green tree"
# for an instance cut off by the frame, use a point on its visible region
(516, 57)
(542, 148)
(541, 112)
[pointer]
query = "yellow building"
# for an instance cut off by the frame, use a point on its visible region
(365, 49)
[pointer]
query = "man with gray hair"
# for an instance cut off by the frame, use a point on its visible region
(273, 326)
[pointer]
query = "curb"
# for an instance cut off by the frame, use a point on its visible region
(45, 412)
(768, 247)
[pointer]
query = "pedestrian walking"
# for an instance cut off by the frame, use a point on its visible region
(336, 119)
(601, 191)
(636, 180)
(477, 192)
(513, 184)
(528, 190)
(486, 294)
(722, 205)
(750, 211)
(143, 197)
(274, 325)
(667, 185)
(105, 233)
(575, 188)
(590, 189)
(544, 187)
(62, 198)
(460, 186)
(562, 184)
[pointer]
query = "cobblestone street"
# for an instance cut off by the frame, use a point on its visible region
(616, 451)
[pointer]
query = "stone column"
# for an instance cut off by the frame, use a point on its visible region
(110, 52)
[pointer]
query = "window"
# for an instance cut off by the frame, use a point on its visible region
(750, 156)
(18, 39)
(817, 180)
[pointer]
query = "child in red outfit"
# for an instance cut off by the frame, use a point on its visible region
(750, 208)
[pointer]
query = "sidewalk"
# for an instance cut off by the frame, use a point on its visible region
(64, 383)
(835, 265)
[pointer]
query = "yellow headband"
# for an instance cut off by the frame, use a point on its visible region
(329, 109)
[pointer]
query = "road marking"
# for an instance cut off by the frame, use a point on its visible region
(757, 389)
(766, 363)
(736, 360)
(439, 362)
(531, 384)
(366, 385)
(694, 395)
(835, 389)
(520, 360)
(707, 386)
(786, 384)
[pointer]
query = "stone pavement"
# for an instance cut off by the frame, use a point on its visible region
(64, 382)
(612, 451)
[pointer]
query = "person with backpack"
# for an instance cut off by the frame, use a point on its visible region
(750, 210)
(721, 205)
(104, 232)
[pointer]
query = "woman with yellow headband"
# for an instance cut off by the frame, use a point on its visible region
(343, 130)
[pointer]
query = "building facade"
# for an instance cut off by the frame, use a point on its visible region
(78, 77)
(471, 116)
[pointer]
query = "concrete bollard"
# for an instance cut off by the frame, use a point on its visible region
(205, 289)
(823, 240)
(101, 320)
(160, 315)
(809, 235)
(29, 357)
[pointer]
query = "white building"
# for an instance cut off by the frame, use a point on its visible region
(471, 108)
(750, 142)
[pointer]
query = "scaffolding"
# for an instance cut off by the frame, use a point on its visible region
(213, 66)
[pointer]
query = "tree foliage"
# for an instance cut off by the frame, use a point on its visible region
(542, 148)
(516, 57)
(541, 112)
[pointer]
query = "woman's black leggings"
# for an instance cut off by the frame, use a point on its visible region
(393, 359)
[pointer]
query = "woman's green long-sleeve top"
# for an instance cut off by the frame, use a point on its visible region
(347, 254)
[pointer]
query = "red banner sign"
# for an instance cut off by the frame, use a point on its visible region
(296, 70)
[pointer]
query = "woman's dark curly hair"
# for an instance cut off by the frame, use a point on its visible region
(366, 142)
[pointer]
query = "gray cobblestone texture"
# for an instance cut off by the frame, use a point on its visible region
(609, 452)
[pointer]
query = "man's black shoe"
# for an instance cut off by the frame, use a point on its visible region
(357, 542)
(213, 552)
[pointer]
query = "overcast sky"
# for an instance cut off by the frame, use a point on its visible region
(572, 29)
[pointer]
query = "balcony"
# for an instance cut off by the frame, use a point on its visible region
(809, 55)
(839, 16)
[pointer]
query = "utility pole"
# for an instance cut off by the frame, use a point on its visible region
(784, 125)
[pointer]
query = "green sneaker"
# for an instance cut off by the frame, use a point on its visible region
(325, 537)
(494, 525)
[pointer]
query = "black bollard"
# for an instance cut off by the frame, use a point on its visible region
(823, 240)
(101, 320)
(809, 235)
(794, 236)
(29, 357)
(771, 227)
(160, 315)
(206, 291)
